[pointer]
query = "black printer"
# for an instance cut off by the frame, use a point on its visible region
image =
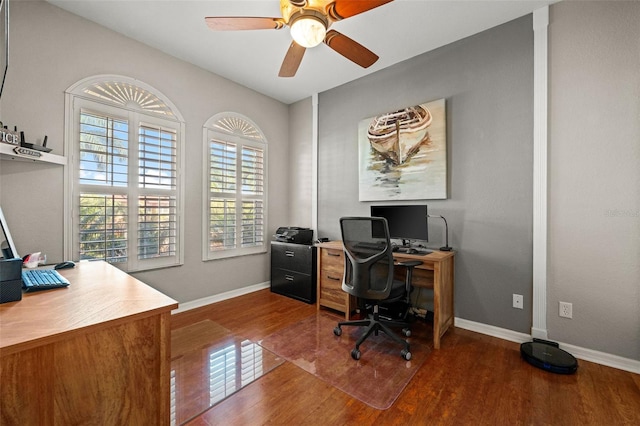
(294, 234)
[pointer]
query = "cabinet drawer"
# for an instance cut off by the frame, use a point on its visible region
(294, 257)
(293, 284)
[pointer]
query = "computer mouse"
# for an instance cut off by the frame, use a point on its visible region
(412, 251)
(64, 265)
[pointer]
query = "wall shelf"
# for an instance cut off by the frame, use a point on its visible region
(7, 153)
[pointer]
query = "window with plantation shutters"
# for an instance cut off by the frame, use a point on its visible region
(235, 200)
(125, 176)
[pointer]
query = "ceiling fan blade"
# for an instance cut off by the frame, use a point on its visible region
(292, 60)
(233, 23)
(342, 9)
(350, 49)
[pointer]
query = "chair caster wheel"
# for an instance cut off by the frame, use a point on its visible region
(337, 331)
(406, 355)
(406, 332)
(355, 354)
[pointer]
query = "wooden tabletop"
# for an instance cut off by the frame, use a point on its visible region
(435, 255)
(100, 296)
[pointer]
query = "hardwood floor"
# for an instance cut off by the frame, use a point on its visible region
(473, 379)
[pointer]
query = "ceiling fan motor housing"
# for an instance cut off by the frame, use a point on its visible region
(310, 14)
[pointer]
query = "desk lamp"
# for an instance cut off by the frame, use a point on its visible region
(446, 230)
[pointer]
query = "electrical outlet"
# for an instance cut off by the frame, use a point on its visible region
(518, 301)
(566, 310)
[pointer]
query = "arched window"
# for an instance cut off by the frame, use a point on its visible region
(125, 141)
(234, 211)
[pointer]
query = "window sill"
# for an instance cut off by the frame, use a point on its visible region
(228, 254)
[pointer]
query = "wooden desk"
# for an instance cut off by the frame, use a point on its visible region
(436, 272)
(96, 352)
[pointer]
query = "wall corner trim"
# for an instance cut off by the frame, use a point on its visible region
(314, 162)
(540, 135)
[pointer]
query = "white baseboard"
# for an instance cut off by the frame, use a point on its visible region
(490, 330)
(182, 307)
(603, 358)
(590, 355)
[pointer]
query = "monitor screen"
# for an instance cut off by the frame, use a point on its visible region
(7, 248)
(405, 222)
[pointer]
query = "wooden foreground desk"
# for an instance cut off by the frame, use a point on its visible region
(436, 272)
(95, 353)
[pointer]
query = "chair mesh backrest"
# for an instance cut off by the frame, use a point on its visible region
(368, 266)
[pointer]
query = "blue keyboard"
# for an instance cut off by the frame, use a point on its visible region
(42, 279)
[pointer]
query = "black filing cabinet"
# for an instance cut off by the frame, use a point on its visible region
(293, 270)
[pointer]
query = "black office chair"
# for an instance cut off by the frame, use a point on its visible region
(369, 276)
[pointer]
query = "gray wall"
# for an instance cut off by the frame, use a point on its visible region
(487, 81)
(52, 49)
(594, 175)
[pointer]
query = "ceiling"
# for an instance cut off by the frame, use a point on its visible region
(395, 32)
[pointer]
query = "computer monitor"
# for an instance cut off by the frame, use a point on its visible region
(7, 247)
(406, 222)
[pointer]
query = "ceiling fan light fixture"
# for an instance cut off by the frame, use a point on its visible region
(308, 29)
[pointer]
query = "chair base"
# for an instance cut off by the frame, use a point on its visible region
(376, 324)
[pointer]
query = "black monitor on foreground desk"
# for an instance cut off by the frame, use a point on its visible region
(7, 247)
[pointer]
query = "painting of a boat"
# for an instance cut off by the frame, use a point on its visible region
(402, 155)
(398, 135)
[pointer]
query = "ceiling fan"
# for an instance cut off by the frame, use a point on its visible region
(309, 21)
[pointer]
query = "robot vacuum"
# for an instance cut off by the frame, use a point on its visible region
(548, 356)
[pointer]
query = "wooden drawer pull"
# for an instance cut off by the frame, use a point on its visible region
(333, 254)
(334, 278)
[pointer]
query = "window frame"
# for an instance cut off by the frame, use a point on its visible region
(209, 133)
(77, 100)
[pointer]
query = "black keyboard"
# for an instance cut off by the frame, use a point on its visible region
(410, 250)
(42, 279)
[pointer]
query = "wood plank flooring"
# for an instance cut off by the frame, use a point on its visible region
(472, 380)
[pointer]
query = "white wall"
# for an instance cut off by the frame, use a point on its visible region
(50, 50)
(594, 175)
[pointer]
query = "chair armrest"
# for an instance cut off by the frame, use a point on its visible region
(409, 263)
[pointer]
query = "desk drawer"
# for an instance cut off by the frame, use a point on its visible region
(331, 289)
(421, 277)
(330, 293)
(333, 260)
